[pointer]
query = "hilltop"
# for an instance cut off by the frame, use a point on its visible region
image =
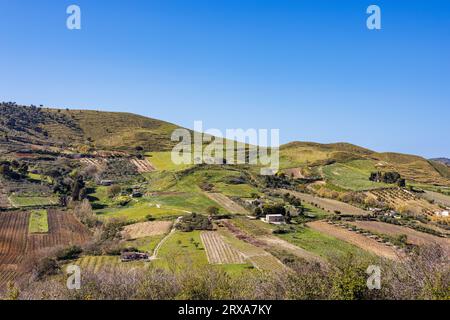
(28, 125)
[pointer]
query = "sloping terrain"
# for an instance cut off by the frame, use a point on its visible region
(413, 236)
(317, 158)
(356, 239)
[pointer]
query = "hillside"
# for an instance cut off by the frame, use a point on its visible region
(307, 158)
(103, 130)
(36, 128)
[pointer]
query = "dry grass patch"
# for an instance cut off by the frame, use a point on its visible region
(147, 229)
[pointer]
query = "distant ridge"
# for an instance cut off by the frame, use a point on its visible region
(445, 161)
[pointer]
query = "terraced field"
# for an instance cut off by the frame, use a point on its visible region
(220, 252)
(403, 201)
(329, 204)
(142, 165)
(98, 163)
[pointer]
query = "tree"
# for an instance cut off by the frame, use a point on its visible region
(212, 210)
(114, 191)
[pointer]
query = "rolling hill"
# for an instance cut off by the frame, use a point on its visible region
(23, 126)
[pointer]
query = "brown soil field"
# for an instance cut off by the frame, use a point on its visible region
(142, 165)
(328, 204)
(16, 243)
(220, 252)
(414, 237)
(147, 229)
(226, 203)
(356, 239)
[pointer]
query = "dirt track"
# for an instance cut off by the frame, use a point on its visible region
(226, 203)
(356, 239)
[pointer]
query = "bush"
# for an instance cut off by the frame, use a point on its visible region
(69, 253)
(194, 222)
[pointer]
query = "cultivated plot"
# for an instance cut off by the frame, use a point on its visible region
(218, 251)
(146, 229)
(358, 240)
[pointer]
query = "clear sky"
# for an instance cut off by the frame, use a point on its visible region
(310, 68)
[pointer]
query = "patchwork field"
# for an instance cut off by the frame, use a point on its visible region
(220, 252)
(146, 229)
(329, 204)
(16, 242)
(414, 237)
(358, 240)
(252, 250)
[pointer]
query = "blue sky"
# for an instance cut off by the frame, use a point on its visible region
(310, 68)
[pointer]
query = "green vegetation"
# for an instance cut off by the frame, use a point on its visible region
(139, 212)
(147, 244)
(23, 202)
(162, 161)
(353, 175)
(38, 222)
(182, 250)
(323, 245)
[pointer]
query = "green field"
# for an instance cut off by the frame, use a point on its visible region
(323, 245)
(139, 212)
(353, 175)
(23, 202)
(38, 222)
(179, 251)
(162, 161)
(147, 244)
